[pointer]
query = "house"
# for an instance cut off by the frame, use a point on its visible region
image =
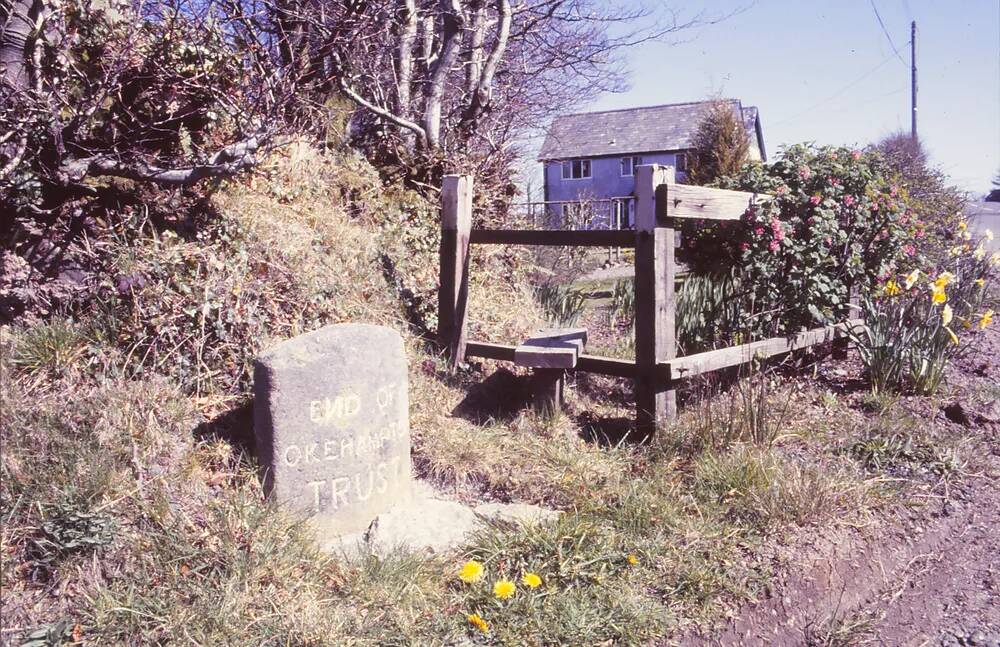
(590, 158)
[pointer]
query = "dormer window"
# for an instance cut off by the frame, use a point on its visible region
(629, 164)
(575, 169)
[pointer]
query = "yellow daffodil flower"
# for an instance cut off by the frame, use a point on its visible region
(943, 279)
(956, 250)
(986, 319)
(980, 283)
(531, 580)
(980, 253)
(911, 278)
(937, 294)
(477, 621)
(995, 259)
(962, 226)
(989, 234)
(946, 315)
(891, 288)
(472, 571)
(504, 589)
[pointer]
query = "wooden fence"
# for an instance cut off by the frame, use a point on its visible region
(660, 202)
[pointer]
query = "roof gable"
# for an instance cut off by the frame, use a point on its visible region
(633, 130)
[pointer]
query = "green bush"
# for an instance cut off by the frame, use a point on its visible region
(836, 221)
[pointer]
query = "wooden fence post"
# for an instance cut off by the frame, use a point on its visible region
(655, 305)
(456, 223)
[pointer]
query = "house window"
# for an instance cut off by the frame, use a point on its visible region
(681, 161)
(629, 164)
(575, 169)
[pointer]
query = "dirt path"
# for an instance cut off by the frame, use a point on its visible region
(925, 575)
(932, 577)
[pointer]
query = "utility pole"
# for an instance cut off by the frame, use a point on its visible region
(913, 80)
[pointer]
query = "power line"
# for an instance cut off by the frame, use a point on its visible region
(837, 93)
(886, 32)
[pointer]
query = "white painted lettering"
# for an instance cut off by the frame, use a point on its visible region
(288, 455)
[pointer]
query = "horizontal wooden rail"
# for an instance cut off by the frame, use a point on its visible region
(682, 368)
(687, 201)
(554, 237)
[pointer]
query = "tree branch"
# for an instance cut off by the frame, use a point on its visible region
(224, 163)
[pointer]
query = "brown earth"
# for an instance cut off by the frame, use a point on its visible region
(927, 573)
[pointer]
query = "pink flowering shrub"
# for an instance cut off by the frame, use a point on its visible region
(836, 220)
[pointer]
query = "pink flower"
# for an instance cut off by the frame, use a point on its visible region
(910, 250)
(744, 246)
(805, 173)
(893, 190)
(828, 240)
(759, 231)
(773, 246)
(920, 233)
(856, 155)
(814, 199)
(848, 200)
(782, 190)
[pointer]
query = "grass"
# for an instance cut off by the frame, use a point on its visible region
(133, 515)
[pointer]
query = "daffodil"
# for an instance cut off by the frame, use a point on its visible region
(891, 288)
(943, 279)
(477, 621)
(986, 319)
(911, 278)
(531, 580)
(995, 259)
(956, 250)
(962, 226)
(980, 253)
(472, 571)
(504, 589)
(989, 234)
(951, 333)
(980, 283)
(946, 315)
(938, 294)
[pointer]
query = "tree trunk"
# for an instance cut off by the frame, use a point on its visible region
(18, 24)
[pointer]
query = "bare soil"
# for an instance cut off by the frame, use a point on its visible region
(924, 573)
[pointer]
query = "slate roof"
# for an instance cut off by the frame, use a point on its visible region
(648, 129)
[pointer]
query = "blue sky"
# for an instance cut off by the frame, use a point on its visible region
(825, 72)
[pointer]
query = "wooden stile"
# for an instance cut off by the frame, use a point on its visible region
(453, 295)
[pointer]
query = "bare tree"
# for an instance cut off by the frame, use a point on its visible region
(462, 80)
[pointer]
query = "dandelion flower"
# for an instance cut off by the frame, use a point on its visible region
(980, 253)
(504, 589)
(472, 571)
(911, 278)
(531, 580)
(946, 315)
(632, 559)
(478, 622)
(891, 288)
(986, 319)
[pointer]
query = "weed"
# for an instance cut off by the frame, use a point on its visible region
(562, 305)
